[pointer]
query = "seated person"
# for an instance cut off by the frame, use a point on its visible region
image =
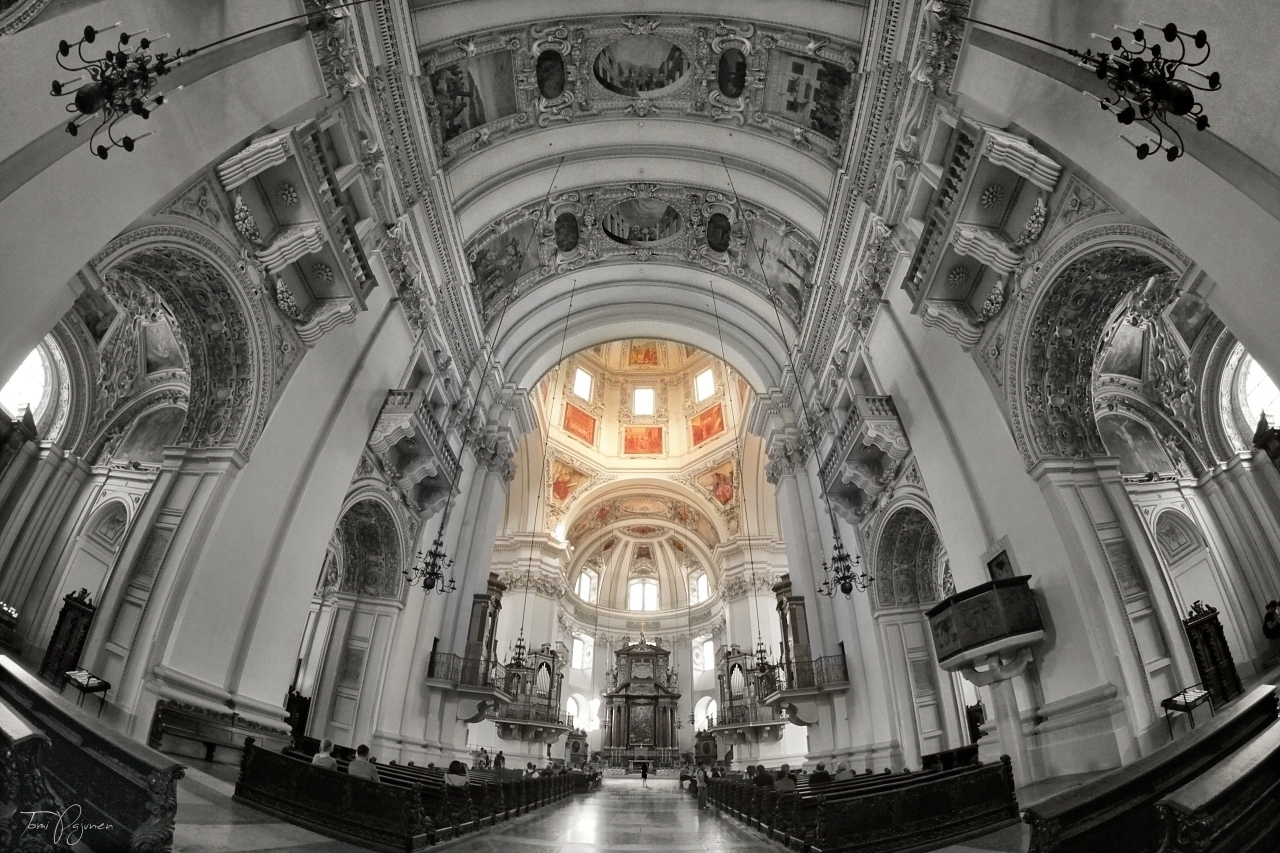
(456, 777)
(762, 777)
(530, 770)
(324, 758)
(843, 773)
(361, 767)
(820, 776)
(785, 783)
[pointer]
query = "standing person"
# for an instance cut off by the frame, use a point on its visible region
(704, 783)
(361, 767)
(324, 758)
(1271, 621)
(483, 761)
(499, 761)
(644, 774)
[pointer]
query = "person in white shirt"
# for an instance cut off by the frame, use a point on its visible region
(361, 767)
(324, 758)
(456, 776)
(843, 773)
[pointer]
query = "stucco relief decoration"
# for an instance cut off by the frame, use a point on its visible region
(335, 48)
(940, 45)
(607, 512)
(676, 224)
(371, 551)
(907, 559)
(488, 86)
(1061, 347)
(225, 351)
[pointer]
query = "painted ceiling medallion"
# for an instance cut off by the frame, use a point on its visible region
(640, 66)
(665, 223)
(488, 86)
(637, 220)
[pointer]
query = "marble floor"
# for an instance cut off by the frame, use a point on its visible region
(621, 816)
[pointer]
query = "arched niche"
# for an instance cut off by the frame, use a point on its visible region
(1197, 574)
(372, 563)
(149, 435)
(1135, 445)
(89, 566)
(1055, 334)
(221, 335)
(909, 559)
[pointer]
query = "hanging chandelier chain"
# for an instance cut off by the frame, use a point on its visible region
(845, 578)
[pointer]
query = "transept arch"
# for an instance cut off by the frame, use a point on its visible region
(1062, 315)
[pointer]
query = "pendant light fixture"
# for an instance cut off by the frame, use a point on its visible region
(840, 575)
(121, 82)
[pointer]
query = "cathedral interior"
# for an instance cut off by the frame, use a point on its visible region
(632, 388)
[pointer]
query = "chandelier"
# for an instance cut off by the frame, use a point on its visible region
(118, 84)
(763, 663)
(842, 575)
(428, 570)
(518, 653)
(115, 86)
(1145, 82)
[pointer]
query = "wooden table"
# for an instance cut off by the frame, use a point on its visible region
(1185, 701)
(87, 682)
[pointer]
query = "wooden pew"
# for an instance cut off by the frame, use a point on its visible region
(928, 810)
(23, 786)
(377, 815)
(1233, 808)
(1116, 813)
(114, 780)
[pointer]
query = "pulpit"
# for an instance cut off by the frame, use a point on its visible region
(640, 707)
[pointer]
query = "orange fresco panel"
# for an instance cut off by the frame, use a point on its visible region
(708, 424)
(636, 440)
(579, 423)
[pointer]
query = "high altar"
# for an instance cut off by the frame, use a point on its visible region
(640, 701)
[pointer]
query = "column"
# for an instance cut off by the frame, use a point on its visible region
(998, 677)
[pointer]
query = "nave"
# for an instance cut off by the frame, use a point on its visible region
(620, 816)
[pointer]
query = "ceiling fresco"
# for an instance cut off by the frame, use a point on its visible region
(498, 84)
(692, 226)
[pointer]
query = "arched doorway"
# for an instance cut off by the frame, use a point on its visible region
(909, 561)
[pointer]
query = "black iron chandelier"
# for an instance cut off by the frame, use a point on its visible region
(118, 84)
(842, 575)
(429, 569)
(1144, 80)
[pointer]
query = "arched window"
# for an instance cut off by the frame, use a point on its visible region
(704, 713)
(583, 652)
(704, 655)
(29, 387)
(642, 594)
(699, 588)
(586, 586)
(571, 708)
(1258, 394)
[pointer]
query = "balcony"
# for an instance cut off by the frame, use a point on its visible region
(480, 683)
(413, 448)
(794, 686)
(866, 454)
(977, 203)
(304, 205)
(748, 723)
(531, 722)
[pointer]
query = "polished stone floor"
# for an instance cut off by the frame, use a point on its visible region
(621, 816)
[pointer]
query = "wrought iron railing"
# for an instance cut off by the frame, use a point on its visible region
(741, 715)
(466, 672)
(813, 674)
(533, 714)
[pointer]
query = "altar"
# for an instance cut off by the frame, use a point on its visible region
(640, 712)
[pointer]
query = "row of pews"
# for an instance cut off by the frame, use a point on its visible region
(1217, 790)
(68, 780)
(877, 812)
(408, 809)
